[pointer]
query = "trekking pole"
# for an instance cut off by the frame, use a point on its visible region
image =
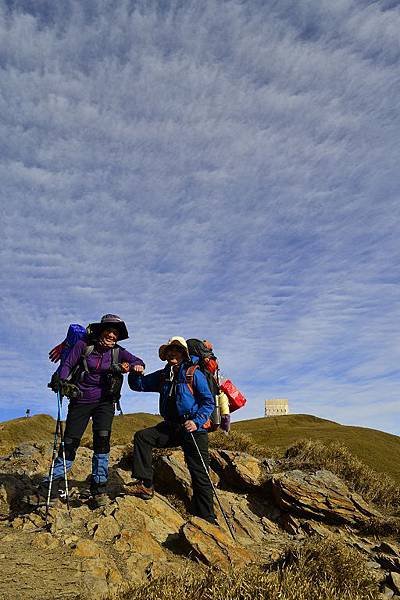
(59, 397)
(212, 485)
(54, 456)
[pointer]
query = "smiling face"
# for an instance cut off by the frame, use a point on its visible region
(108, 337)
(174, 355)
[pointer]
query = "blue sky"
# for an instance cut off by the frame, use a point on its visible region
(220, 169)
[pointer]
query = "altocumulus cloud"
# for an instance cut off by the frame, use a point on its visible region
(218, 169)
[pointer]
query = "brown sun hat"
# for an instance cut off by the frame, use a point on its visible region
(177, 341)
(109, 321)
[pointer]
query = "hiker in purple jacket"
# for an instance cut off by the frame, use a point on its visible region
(97, 368)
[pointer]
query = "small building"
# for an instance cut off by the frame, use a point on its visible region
(276, 407)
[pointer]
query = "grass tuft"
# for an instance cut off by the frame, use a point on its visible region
(381, 527)
(238, 442)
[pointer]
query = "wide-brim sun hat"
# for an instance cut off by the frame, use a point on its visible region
(176, 341)
(112, 322)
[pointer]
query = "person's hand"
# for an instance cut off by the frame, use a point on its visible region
(125, 366)
(190, 426)
(137, 369)
(55, 382)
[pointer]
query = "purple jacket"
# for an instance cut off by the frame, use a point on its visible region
(99, 363)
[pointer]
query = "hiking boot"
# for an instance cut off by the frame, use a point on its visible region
(100, 500)
(139, 490)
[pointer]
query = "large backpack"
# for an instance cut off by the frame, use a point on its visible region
(60, 352)
(226, 395)
(203, 358)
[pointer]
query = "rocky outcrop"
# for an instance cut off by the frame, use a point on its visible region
(100, 575)
(172, 474)
(249, 517)
(319, 495)
(11, 489)
(130, 541)
(214, 546)
(158, 517)
(237, 469)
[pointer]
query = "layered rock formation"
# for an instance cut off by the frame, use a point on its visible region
(96, 552)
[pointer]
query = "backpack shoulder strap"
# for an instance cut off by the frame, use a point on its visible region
(189, 376)
(115, 356)
(86, 352)
(77, 374)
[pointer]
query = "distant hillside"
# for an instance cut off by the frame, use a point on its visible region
(40, 429)
(379, 450)
(35, 429)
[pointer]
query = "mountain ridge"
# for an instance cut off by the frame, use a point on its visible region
(378, 449)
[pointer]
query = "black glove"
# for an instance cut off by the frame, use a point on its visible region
(70, 390)
(55, 382)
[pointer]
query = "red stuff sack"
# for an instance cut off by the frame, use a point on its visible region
(235, 396)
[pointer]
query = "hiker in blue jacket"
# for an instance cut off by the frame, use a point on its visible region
(186, 404)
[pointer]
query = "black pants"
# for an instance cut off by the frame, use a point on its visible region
(102, 414)
(165, 435)
(78, 417)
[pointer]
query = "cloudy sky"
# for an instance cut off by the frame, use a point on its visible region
(220, 169)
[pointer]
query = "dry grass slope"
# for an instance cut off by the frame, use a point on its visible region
(40, 429)
(37, 429)
(320, 570)
(379, 450)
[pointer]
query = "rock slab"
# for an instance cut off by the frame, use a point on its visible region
(320, 495)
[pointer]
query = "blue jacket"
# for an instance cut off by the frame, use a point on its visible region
(197, 406)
